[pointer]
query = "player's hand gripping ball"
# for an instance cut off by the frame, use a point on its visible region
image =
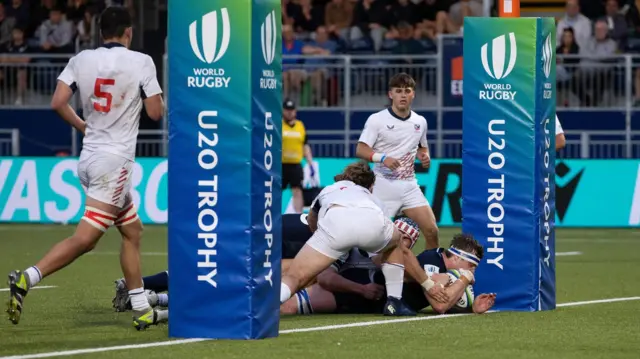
(466, 301)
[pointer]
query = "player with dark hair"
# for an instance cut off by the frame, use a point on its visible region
(392, 138)
(353, 284)
(113, 83)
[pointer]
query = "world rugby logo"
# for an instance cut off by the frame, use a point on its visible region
(268, 38)
(499, 56)
(210, 51)
(547, 56)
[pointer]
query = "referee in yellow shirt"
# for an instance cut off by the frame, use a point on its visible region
(294, 148)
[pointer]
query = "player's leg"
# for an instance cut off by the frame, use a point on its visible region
(100, 212)
(307, 265)
(310, 300)
(389, 245)
(417, 208)
(130, 227)
(297, 177)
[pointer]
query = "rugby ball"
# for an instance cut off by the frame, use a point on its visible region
(466, 301)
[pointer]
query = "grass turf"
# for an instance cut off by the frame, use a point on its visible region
(77, 313)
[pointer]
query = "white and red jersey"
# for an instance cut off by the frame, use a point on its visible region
(399, 138)
(346, 194)
(112, 81)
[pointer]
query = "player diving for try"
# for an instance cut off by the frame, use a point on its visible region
(353, 284)
(113, 83)
(346, 215)
(392, 138)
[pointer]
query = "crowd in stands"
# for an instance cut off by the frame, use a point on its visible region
(45, 27)
(321, 28)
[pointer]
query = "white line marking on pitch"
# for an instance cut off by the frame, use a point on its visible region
(562, 254)
(39, 287)
(287, 331)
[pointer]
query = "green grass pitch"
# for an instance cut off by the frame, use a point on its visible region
(76, 313)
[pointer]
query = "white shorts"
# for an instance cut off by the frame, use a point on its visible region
(105, 177)
(342, 228)
(398, 195)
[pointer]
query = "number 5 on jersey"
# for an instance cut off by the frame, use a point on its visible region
(100, 93)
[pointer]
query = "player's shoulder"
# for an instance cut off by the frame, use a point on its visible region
(417, 117)
(380, 115)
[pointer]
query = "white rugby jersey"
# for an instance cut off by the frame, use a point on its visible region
(559, 129)
(399, 138)
(346, 194)
(112, 81)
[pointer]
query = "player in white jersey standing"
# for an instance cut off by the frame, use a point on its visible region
(343, 216)
(113, 82)
(392, 138)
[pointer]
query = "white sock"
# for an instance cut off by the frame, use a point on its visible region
(393, 277)
(34, 276)
(285, 293)
(163, 299)
(139, 301)
(163, 316)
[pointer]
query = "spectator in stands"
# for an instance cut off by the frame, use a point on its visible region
(370, 19)
(40, 15)
(286, 9)
(595, 72)
(632, 15)
(6, 25)
(406, 43)
(56, 34)
(435, 19)
(306, 18)
(317, 67)
(76, 10)
(17, 75)
(293, 74)
(580, 24)
(462, 9)
(566, 67)
(19, 10)
(618, 30)
(338, 16)
(87, 30)
(402, 11)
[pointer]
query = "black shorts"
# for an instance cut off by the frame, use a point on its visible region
(350, 303)
(292, 175)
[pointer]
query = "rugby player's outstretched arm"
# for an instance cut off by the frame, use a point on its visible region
(60, 104)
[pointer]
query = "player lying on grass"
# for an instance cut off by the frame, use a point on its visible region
(353, 284)
(295, 233)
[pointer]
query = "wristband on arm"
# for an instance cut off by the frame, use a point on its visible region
(378, 157)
